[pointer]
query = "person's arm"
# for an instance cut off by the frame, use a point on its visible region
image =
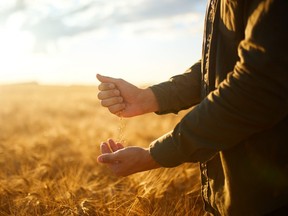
(125, 99)
(252, 98)
(180, 92)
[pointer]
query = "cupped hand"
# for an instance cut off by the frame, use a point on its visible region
(124, 161)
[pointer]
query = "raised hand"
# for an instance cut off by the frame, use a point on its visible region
(125, 99)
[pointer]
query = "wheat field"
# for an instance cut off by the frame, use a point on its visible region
(49, 142)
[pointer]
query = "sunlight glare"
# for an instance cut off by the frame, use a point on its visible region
(16, 47)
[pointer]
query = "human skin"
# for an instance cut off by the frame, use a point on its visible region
(126, 100)
(124, 161)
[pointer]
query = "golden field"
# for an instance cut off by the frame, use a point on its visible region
(49, 142)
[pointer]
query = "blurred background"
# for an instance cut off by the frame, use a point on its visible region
(50, 134)
(69, 41)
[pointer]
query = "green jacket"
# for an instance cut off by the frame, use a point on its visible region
(238, 128)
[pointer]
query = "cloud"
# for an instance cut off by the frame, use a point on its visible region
(151, 9)
(49, 22)
(13, 7)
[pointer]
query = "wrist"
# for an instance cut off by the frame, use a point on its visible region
(149, 101)
(150, 162)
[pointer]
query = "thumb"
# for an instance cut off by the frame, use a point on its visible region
(108, 158)
(105, 79)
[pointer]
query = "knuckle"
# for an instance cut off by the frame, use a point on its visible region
(120, 99)
(116, 92)
(106, 86)
(112, 109)
(111, 86)
(100, 87)
(99, 95)
(115, 109)
(103, 103)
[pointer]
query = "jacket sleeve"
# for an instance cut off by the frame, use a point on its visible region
(252, 98)
(180, 92)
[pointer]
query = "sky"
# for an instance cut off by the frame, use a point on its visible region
(69, 41)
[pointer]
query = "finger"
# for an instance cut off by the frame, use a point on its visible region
(113, 145)
(104, 147)
(105, 79)
(108, 158)
(119, 146)
(111, 101)
(108, 94)
(117, 108)
(106, 86)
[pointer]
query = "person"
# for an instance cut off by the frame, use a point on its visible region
(238, 128)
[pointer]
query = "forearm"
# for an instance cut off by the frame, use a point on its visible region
(180, 92)
(251, 100)
(148, 100)
(224, 119)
